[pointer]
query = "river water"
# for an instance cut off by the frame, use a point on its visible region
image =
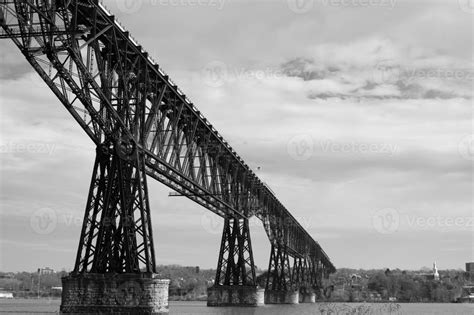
(45, 306)
(198, 308)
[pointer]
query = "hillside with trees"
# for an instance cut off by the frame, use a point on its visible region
(346, 285)
(351, 285)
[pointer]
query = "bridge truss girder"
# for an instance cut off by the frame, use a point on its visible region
(116, 235)
(236, 265)
(117, 93)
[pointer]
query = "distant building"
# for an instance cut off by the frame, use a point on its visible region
(435, 272)
(374, 296)
(6, 295)
(45, 271)
(470, 267)
(355, 277)
(434, 275)
(467, 295)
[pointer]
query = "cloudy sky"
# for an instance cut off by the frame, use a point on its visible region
(359, 117)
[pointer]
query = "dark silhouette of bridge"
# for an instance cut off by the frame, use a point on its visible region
(145, 127)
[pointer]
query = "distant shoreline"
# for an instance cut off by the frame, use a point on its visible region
(175, 299)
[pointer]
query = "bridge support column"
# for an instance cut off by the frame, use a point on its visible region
(235, 283)
(123, 294)
(301, 279)
(316, 281)
(115, 270)
(279, 288)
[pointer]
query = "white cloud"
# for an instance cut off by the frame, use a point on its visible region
(320, 79)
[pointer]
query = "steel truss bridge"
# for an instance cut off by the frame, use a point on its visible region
(145, 127)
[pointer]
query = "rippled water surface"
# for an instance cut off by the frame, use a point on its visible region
(22, 306)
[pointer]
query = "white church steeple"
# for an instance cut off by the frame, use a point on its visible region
(435, 272)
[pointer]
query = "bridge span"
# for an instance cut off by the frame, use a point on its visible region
(145, 127)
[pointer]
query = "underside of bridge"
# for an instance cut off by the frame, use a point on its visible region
(145, 127)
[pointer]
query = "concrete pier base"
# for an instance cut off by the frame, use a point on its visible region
(307, 297)
(222, 295)
(281, 297)
(117, 294)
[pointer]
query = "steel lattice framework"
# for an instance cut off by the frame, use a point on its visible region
(143, 125)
